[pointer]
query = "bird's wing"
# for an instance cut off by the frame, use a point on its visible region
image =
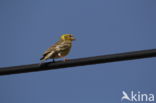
(52, 48)
(62, 46)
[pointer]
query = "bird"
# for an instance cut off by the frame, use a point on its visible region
(60, 49)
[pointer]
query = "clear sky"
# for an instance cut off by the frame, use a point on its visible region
(28, 27)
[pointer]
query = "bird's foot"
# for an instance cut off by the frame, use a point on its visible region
(53, 61)
(66, 59)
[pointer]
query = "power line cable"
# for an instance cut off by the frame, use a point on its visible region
(79, 62)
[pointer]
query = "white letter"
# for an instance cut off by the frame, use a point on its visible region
(151, 97)
(142, 97)
(133, 96)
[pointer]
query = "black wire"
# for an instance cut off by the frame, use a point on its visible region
(79, 62)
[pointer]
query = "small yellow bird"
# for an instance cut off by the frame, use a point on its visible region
(60, 49)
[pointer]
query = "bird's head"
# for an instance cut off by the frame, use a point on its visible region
(67, 37)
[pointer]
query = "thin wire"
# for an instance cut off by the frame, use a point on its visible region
(79, 62)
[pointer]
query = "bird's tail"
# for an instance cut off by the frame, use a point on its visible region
(46, 56)
(42, 61)
(42, 58)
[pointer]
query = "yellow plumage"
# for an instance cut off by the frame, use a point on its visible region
(60, 49)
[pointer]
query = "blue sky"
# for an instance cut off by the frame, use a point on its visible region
(29, 27)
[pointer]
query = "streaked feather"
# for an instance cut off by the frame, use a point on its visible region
(62, 47)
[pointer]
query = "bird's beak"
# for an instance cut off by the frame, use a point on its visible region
(72, 38)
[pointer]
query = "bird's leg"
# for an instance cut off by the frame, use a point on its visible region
(65, 59)
(53, 60)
